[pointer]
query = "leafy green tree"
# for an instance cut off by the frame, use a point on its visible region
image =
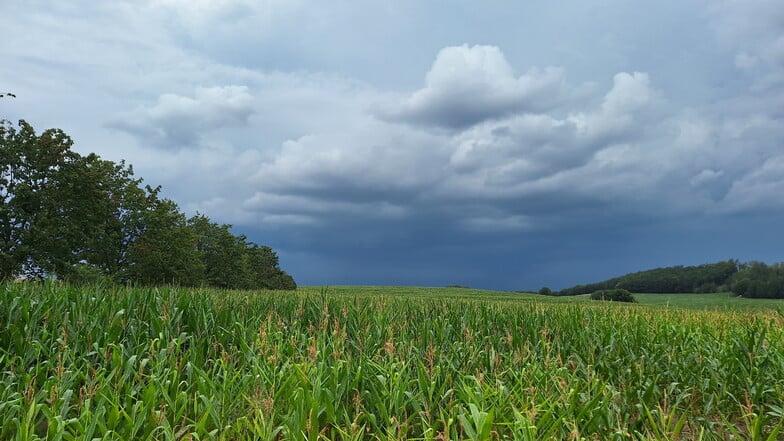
(33, 175)
(83, 219)
(221, 253)
(232, 262)
(165, 251)
(758, 280)
(264, 269)
(117, 215)
(94, 217)
(61, 211)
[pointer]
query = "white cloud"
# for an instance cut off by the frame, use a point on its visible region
(315, 208)
(177, 121)
(754, 29)
(537, 154)
(521, 168)
(630, 94)
(705, 176)
(499, 224)
(469, 84)
(203, 20)
(746, 61)
(374, 157)
(759, 190)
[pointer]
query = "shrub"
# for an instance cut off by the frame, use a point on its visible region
(545, 291)
(614, 295)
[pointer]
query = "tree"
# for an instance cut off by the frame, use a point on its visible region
(81, 218)
(60, 210)
(117, 215)
(33, 173)
(758, 280)
(614, 295)
(94, 216)
(220, 252)
(545, 291)
(264, 269)
(165, 251)
(232, 262)
(701, 278)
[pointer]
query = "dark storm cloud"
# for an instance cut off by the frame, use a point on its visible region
(427, 253)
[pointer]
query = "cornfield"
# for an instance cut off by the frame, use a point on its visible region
(165, 364)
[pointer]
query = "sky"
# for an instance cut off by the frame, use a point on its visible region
(496, 144)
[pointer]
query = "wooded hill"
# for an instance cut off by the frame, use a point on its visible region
(712, 277)
(753, 279)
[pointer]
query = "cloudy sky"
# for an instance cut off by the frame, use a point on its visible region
(496, 144)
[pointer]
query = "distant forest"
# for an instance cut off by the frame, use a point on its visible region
(753, 279)
(84, 219)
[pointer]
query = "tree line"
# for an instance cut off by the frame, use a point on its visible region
(753, 279)
(82, 218)
(759, 280)
(711, 277)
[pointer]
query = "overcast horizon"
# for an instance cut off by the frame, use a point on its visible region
(495, 144)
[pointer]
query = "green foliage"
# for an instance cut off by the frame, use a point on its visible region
(165, 251)
(758, 280)
(81, 218)
(701, 278)
(221, 253)
(614, 295)
(60, 208)
(84, 274)
(545, 291)
(164, 363)
(709, 287)
(34, 171)
(232, 262)
(263, 270)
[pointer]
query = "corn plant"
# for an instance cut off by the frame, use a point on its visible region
(125, 363)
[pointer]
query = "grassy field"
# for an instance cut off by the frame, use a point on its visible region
(713, 301)
(381, 363)
(720, 301)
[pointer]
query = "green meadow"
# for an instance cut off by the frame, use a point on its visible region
(712, 301)
(385, 363)
(709, 301)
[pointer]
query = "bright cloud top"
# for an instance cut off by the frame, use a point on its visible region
(470, 84)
